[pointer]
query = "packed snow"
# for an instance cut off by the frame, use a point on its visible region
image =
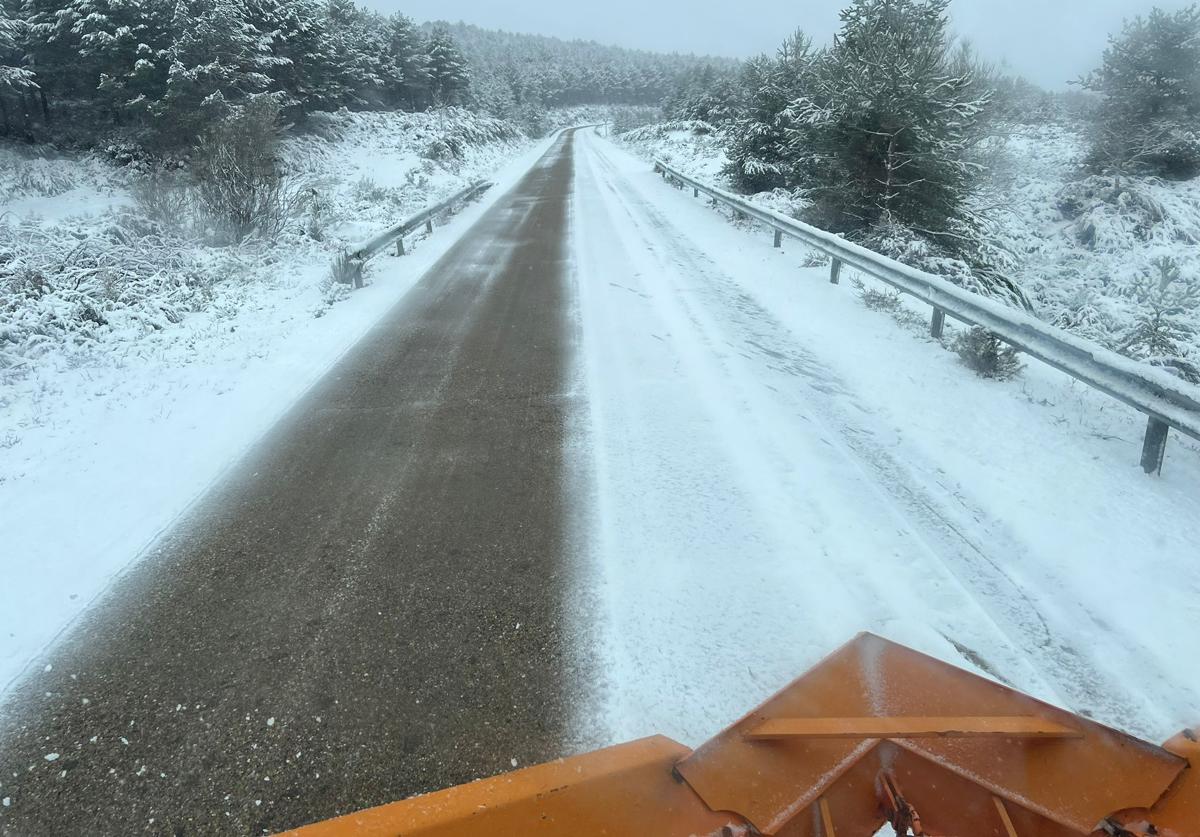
(776, 467)
(120, 408)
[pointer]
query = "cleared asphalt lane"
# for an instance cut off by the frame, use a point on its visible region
(371, 605)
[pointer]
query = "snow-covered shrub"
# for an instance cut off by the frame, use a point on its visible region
(459, 130)
(24, 174)
(111, 281)
(37, 176)
(1164, 329)
(345, 270)
(240, 181)
(659, 130)
(166, 197)
(1107, 214)
(876, 299)
(366, 190)
(983, 277)
(318, 213)
(986, 354)
(1149, 84)
(697, 149)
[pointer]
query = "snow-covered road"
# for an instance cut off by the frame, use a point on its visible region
(774, 468)
(756, 468)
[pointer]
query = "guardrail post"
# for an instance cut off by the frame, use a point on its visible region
(778, 238)
(938, 324)
(835, 270)
(695, 192)
(429, 226)
(400, 246)
(1155, 446)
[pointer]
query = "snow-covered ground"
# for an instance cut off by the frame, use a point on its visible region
(694, 148)
(108, 431)
(776, 467)
(1081, 245)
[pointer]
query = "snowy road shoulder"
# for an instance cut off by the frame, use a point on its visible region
(125, 451)
(778, 468)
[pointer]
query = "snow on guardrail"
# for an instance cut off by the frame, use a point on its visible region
(1166, 400)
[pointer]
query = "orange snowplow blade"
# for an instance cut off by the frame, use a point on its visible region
(875, 733)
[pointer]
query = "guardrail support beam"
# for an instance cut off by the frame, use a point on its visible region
(429, 226)
(938, 324)
(835, 270)
(400, 246)
(1155, 446)
(778, 238)
(695, 192)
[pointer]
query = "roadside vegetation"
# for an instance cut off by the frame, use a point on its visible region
(1082, 206)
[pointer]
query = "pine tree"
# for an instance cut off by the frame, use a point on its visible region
(217, 58)
(15, 79)
(354, 55)
(46, 51)
(1150, 84)
(1162, 330)
(891, 115)
(106, 51)
(759, 151)
(448, 74)
(407, 72)
(295, 39)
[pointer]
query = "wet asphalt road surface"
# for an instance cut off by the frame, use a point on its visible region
(371, 605)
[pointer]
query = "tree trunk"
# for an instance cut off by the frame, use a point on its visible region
(889, 165)
(45, 105)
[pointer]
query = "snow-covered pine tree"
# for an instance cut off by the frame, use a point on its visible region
(1150, 83)
(217, 58)
(407, 70)
(1164, 327)
(706, 94)
(354, 54)
(881, 139)
(890, 110)
(759, 151)
(295, 37)
(16, 81)
(46, 53)
(105, 52)
(448, 74)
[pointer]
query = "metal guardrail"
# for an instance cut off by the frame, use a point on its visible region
(350, 263)
(1164, 399)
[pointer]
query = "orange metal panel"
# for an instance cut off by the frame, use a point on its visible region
(1073, 782)
(1005, 819)
(1177, 814)
(620, 791)
(1018, 726)
(874, 732)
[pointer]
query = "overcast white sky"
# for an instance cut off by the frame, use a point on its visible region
(1048, 41)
